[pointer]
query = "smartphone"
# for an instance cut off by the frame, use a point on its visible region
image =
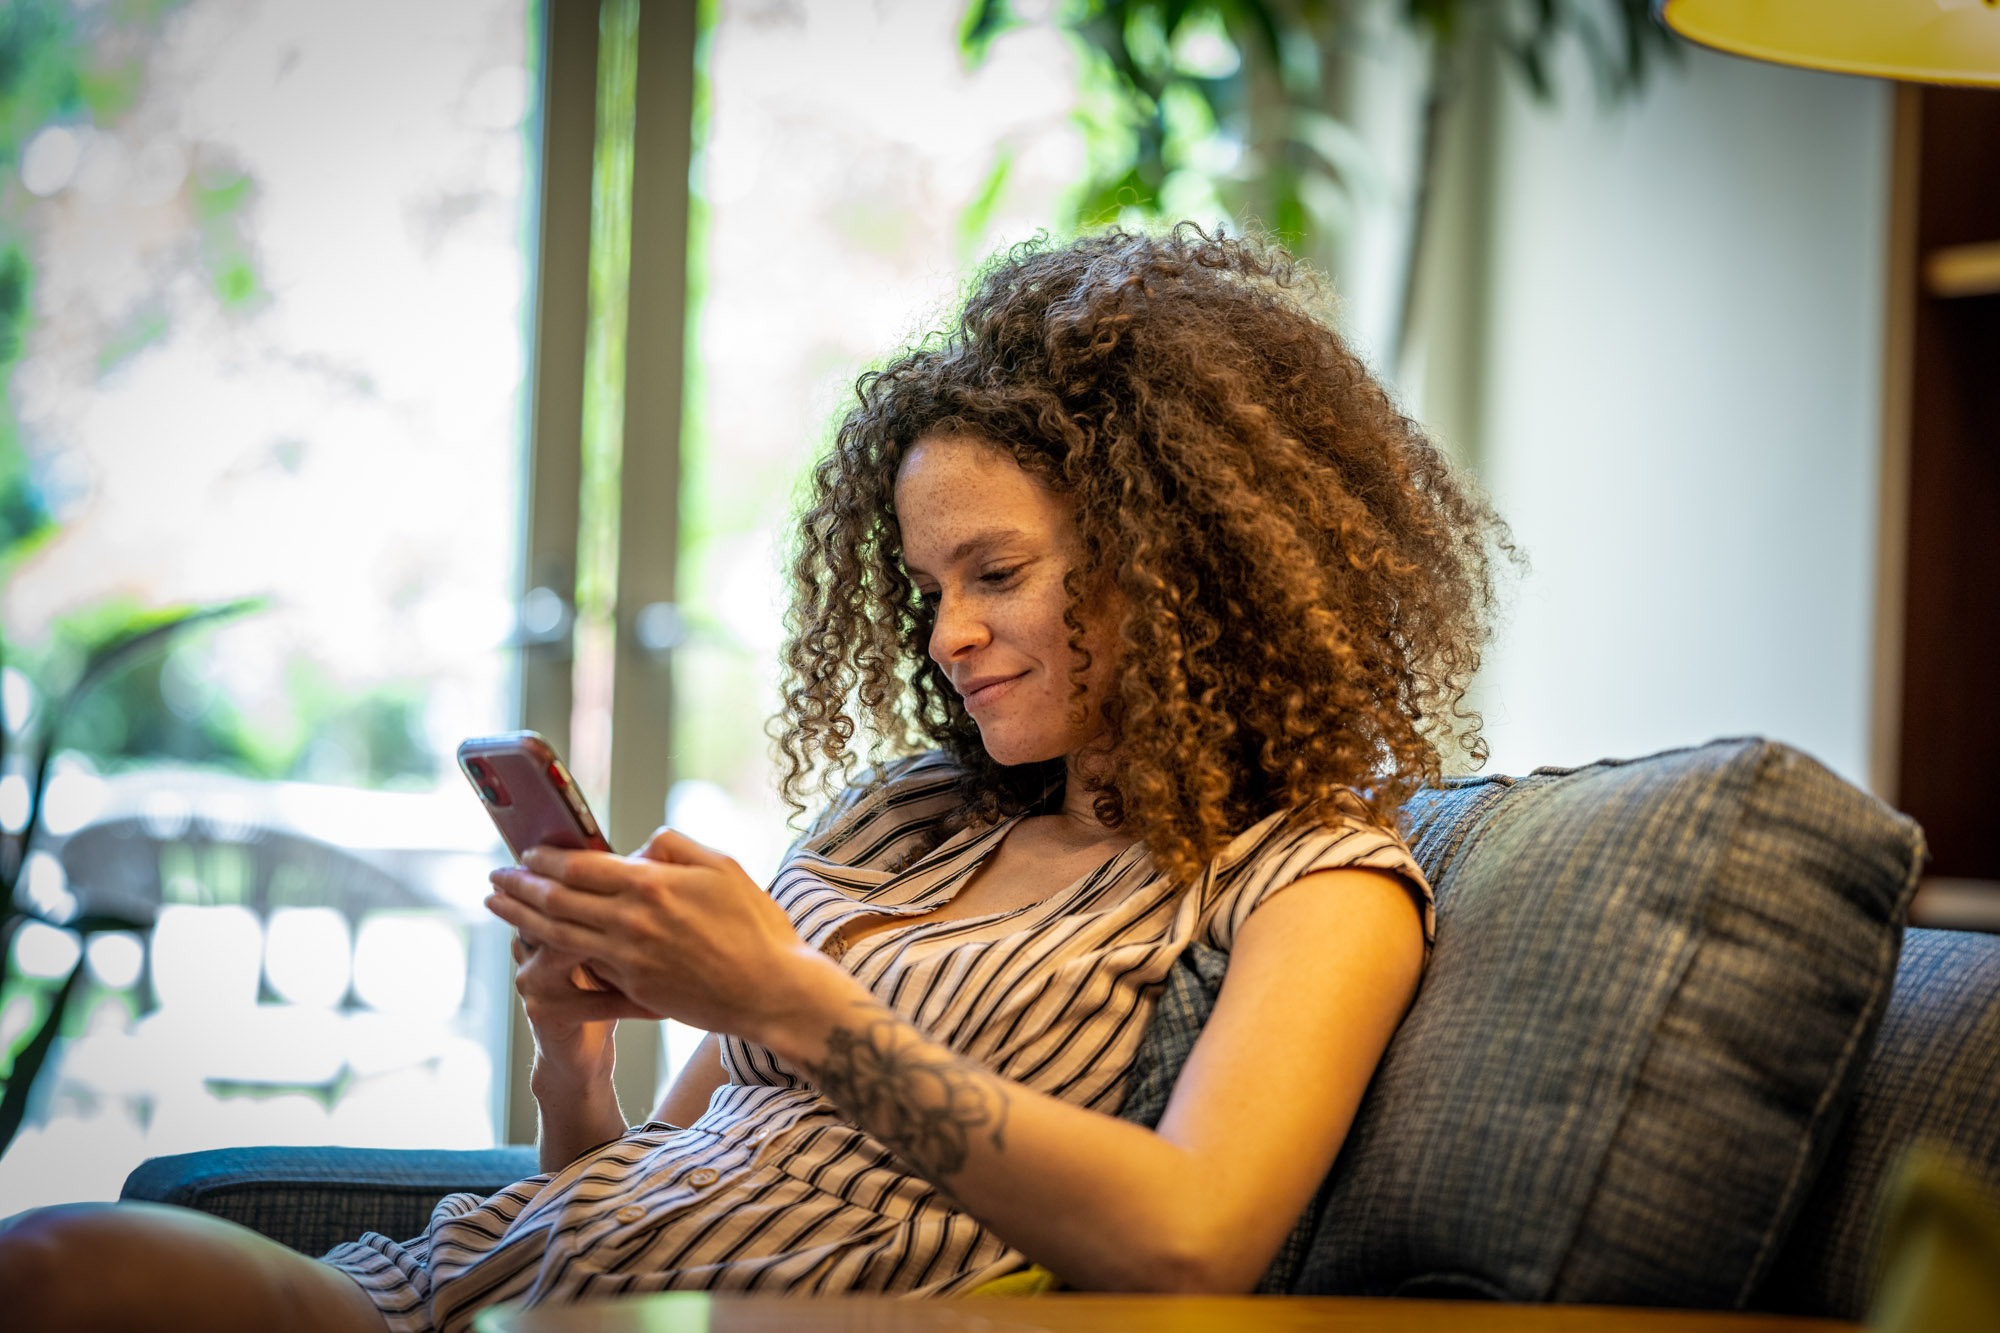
(530, 795)
(534, 803)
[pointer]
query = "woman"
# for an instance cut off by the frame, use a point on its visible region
(1156, 607)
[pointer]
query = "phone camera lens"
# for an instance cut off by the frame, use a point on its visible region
(488, 783)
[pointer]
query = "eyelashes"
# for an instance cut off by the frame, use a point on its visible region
(992, 579)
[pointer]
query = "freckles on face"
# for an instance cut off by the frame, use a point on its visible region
(988, 545)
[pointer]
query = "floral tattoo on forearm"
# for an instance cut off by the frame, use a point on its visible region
(925, 1104)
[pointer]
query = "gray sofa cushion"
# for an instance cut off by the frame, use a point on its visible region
(1933, 1078)
(1654, 986)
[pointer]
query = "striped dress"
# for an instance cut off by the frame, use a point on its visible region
(771, 1189)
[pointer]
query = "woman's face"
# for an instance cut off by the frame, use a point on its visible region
(987, 546)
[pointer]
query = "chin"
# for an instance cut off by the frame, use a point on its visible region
(1011, 751)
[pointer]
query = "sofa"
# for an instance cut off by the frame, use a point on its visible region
(1672, 1042)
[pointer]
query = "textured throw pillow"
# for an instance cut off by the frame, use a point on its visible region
(1654, 987)
(1933, 1079)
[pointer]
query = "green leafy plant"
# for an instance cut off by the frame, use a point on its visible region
(118, 650)
(1236, 103)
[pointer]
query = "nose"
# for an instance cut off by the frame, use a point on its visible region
(957, 631)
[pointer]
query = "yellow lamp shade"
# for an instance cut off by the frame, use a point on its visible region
(1926, 41)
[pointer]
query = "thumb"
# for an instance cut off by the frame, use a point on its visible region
(679, 849)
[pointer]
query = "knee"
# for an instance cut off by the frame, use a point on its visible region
(46, 1265)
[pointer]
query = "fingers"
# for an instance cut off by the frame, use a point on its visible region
(601, 1006)
(555, 981)
(677, 848)
(597, 872)
(557, 900)
(560, 935)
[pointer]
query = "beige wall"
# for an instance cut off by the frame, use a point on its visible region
(1657, 333)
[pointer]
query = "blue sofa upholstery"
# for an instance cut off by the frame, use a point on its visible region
(1933, 1078)
(1664, 1055)
(314, 1198)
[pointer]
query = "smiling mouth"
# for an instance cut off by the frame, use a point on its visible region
(987, 693)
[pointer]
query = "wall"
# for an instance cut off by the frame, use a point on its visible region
(1673, 395)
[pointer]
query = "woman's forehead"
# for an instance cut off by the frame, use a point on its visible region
(955, 471)
(954, 493)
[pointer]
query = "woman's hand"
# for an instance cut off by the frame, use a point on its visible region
(573, 1025)
(679, 929)
(571, 1015)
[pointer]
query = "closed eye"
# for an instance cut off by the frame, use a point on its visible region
(998, 576)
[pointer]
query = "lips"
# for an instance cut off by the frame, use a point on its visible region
(985, 689)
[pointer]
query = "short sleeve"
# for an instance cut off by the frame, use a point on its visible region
(1280, 851)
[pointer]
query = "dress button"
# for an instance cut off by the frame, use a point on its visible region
(703, 1177)
(630, 1213)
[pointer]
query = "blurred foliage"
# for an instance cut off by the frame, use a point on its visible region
(171, 706)
(40, 68)
(38, 80)
(68, 62)
(1206, 107)
(121, 640)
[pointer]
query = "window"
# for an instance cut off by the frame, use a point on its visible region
(275, 264)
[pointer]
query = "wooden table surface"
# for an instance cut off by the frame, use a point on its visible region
(698, 1312)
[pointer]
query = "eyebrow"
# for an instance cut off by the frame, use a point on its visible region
(984, 537)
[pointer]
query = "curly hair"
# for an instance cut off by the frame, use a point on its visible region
(1306, 580)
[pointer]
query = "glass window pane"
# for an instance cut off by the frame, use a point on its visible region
(273, 261)
(836, 215)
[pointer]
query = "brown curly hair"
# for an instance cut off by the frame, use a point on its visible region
(1306, 580)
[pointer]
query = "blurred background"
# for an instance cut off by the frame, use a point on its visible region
(379, 375)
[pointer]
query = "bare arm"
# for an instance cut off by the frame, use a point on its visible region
(695, 1084)
(576, 1114)
(580, 1110)
(1319, 977)
(574, 1055)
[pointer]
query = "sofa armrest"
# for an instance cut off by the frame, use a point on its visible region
(314, 1198)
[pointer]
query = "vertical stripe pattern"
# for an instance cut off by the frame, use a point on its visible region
(771, 1190)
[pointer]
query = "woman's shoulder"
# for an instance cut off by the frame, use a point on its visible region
(1338, 833)
(1288, 845)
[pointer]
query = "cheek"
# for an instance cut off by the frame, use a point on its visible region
(1104, 641)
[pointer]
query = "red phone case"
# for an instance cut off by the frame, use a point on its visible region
(530, 795)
